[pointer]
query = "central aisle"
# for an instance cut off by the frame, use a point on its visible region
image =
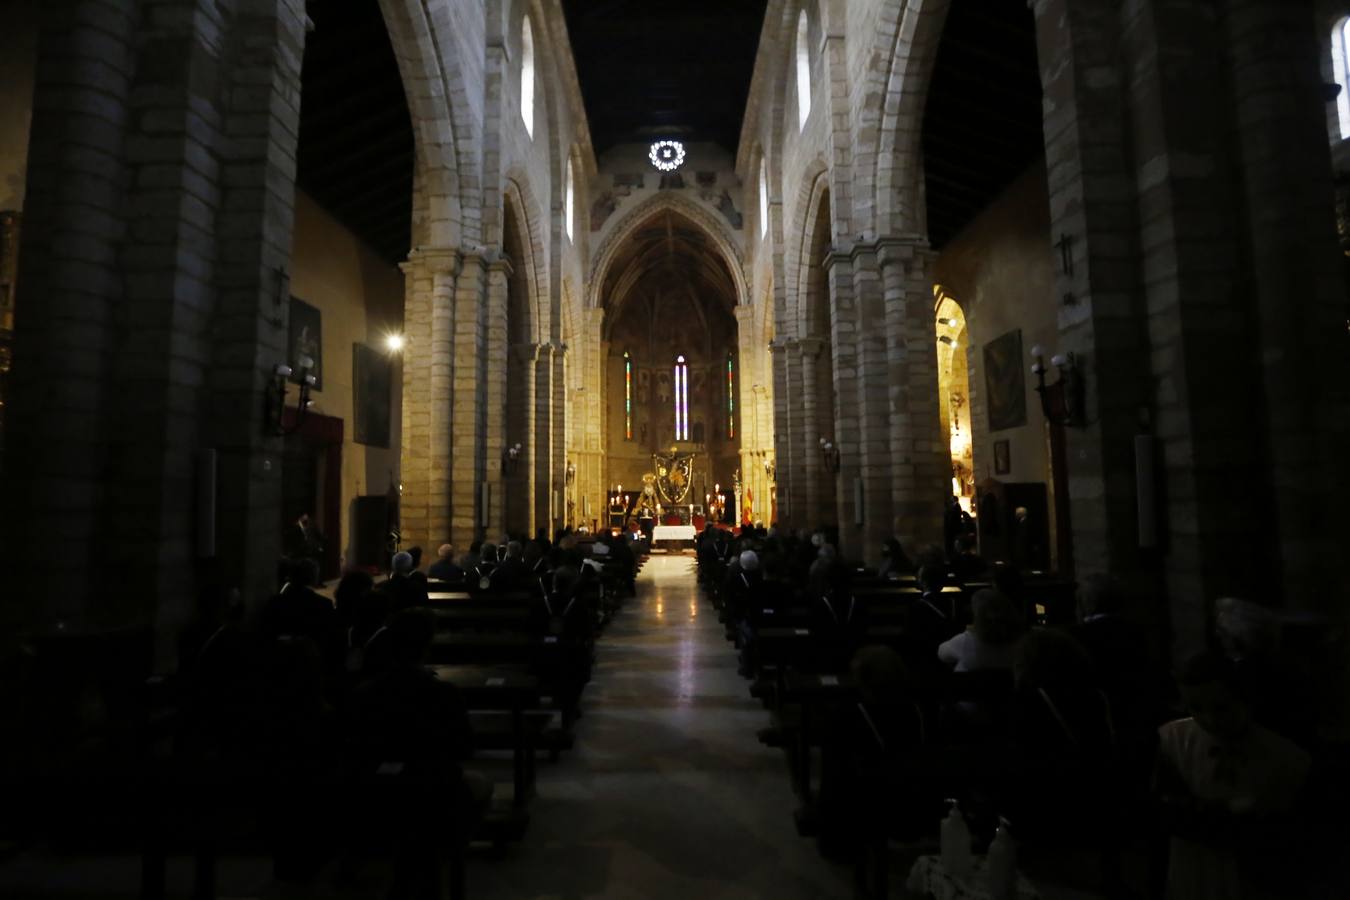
(667, 793)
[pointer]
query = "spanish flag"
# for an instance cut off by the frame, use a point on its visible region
(747, 508)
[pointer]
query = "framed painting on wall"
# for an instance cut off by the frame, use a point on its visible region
(1002, 458)
(372, 381)
(305, 341)
(1005, 387)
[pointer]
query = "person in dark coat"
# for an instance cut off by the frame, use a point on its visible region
(402, 589)
(445, 568)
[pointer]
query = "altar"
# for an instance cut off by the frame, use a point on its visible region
(673, 533)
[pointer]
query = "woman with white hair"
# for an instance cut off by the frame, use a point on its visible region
(991, 641)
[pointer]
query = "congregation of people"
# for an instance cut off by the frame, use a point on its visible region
(333, 702)
(941, 678)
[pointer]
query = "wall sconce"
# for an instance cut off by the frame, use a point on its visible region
(1062, 402)
(394, 343)
(949, 341)
(511, 459)
(276, 397)
(829, 455)
(571, 472)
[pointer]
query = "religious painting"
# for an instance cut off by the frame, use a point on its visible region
(372, 382)
(1004, 384)
(644, 391)
(305, 342)
(1002, 458)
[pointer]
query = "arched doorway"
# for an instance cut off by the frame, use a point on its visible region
(671, 337)
(953, 341)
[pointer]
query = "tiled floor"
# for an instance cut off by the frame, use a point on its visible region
(666, 794)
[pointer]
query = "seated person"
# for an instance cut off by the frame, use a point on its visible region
(989, 642)
(469, 560)
(409, 730)
(481, 575)
(930, 620)
(1228, 789)
(297, 610)
(354, 585)
(401, 589)
(894, 562)
(417, 574)
(509, 574)
(966, 563)
(445, 568)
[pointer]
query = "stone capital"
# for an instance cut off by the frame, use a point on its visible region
(902, 250)
(432, 261)
(527, 352)
(811, 347)
(501, 265)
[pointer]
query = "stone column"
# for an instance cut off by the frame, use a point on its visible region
(68, 288)
(541, 445)
(1101, 316)
(810, 470)
(874, 434)
(465, 403)
(920, 460)
(429, 292)
(1299, 292)
(785, 415)
(524, 387)
(558, 402)
(843, 381)
(494, 391)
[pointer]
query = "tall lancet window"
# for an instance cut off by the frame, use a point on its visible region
(681, 399)
(731, 397)
(803, 71)
(527, 75)
(627, 397)
(1340, 64)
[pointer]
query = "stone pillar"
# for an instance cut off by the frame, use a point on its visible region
(465, 403)
(785, 417)
(810, 471)
(558, 431)
(494, 391)
(874, 434)
(428, 357)
(1101, 316)
(921, 467)
(524, 429)
(541, 445)
(843, 381)
(261, 127)
(1299, 292)
(68, 290)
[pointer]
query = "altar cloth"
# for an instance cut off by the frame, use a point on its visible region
(673, 533)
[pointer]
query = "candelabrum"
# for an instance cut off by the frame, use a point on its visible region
(1062, 402)
(276, 397)
(829, 455)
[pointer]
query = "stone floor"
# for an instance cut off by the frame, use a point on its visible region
(666, 794)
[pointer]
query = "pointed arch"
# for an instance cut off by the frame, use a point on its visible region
(445, 138)
(635, 218)
(897, 169)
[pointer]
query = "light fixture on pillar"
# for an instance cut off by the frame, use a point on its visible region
(394, 343)
(829, 455)
(1062, 402)
(511, 459)
(276, 397)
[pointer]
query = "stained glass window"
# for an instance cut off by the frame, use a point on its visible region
(681, 399)
(627, 397)
(731, 398)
